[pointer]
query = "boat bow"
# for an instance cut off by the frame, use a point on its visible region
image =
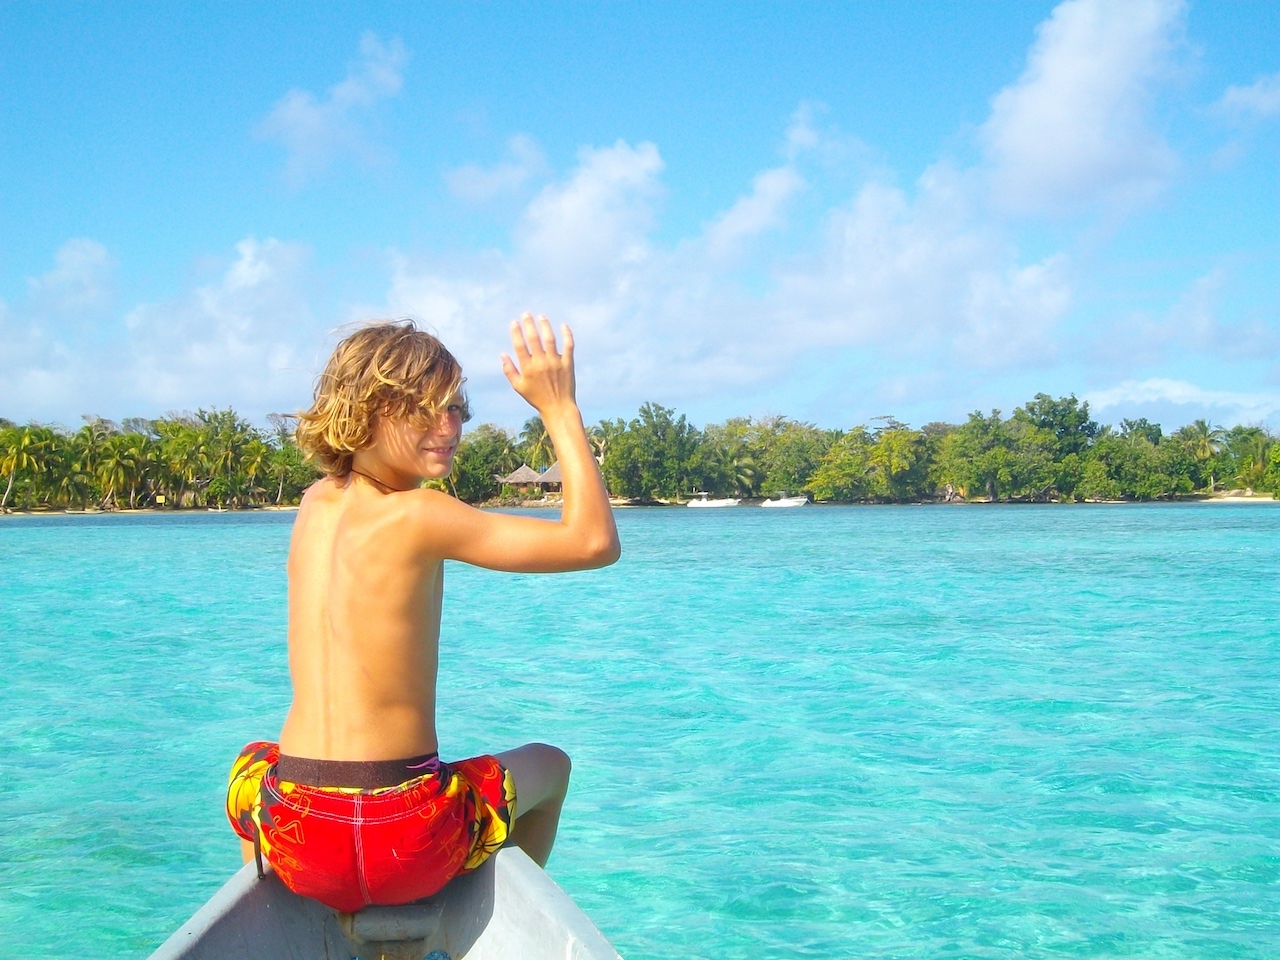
(508, 907)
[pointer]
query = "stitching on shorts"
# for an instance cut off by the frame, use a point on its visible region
(312, 813)
(364, 885)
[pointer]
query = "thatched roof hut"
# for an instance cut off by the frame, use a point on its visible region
(521, 475)
(552, 474)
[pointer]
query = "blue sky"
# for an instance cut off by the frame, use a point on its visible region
(832, 211)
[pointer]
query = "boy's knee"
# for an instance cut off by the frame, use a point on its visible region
(557, 761)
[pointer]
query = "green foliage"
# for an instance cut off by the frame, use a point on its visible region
(1135, 467)
(1271, 479)
(535, 446)
(892, 464)
(975, 458)
(1204, 442)
(1248, 455)
(899, 462)
(602, 434)
(1066, 418)
(484, 454)
(789, 452)
(745, 457)
(1096, 482)
(1049, 449)
(656, 456)
(845, 470)
(731, 458)
(211, 457)
(1142, 427)
(290, 471)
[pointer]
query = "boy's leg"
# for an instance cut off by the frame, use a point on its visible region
(541, 773)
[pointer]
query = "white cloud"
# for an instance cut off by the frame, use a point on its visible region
(801, 134)
(924, 276)
(758, 211)
(1239, 406)
(248, 337)
(1193, 318)
(1010, 315)
(916, 276)
(1073, 130)
(48, 337)
(1261, 98)
(20, 353)
(1193, 326)
(480, 184)
(81, 279)
(580, 252)
(314, 130)
(592, 229)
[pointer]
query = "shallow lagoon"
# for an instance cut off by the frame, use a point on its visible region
(830, 732)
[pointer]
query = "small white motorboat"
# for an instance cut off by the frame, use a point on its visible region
(787, 502)
(506, 909)
(704, 499)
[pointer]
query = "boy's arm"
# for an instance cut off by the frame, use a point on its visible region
(585, 535)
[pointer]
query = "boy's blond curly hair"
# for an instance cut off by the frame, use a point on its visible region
(385, 369)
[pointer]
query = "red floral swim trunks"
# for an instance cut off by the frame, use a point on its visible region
(351, 846)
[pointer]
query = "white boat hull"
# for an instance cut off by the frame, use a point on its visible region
(787, 502)
(508, 908)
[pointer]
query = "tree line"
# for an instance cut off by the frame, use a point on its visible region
(1047, 450)
(211, 458)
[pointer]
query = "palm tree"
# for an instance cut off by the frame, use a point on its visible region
(71, 463)
(77, 464)
(1251, 448)
(1204, 442)
(734, 460)
(230, 441)
(141, 455)
(8, 460)
(254, 461)
(116, 465)
(278, 470)
(22, 449)
(602, 434)
(184, 452)
(745, 473)
(536, 443)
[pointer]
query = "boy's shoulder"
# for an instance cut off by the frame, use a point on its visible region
(417, 514)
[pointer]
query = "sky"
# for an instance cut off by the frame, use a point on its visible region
(831, 211)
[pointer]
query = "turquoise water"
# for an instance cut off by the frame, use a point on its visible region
(891, 732)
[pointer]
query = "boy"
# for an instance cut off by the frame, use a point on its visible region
(354, 806)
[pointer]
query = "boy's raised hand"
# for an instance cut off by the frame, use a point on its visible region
(540, 372)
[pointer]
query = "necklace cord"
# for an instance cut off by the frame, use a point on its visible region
(385, 487)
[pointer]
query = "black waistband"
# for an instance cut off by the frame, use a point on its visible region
(360, 774)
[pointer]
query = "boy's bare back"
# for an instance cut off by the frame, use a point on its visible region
(366, 572)
(364, 623)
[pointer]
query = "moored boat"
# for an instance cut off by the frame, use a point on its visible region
(506, 908)
(706, 500)
(787, 502)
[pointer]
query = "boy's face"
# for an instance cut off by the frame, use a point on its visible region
(420, 449)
